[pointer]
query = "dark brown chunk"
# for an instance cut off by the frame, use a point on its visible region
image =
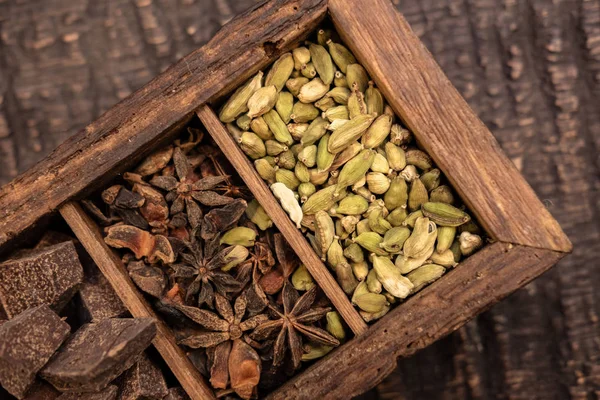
(109, 393)
(99, 352)
(177, 393)
(26, 344)
(51, 276)
(98, 299)
(143, 381)
(41, 390)
(50, 238)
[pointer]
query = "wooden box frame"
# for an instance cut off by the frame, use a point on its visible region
(527, 240)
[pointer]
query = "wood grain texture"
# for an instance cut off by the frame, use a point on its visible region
(444, 124)
(294, 237)
(245, 45)
(479, 282)
(113, 269)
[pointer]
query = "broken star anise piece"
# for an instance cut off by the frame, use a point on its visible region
(296, 318)
(184, 192)
(221, 219)
(204, 263)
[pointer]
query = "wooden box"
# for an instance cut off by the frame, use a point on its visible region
(526, 239)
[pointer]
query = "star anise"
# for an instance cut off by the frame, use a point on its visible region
(204, 263)
(296, 317)
(184, 191)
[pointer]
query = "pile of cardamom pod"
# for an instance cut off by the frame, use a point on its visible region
(372, 204)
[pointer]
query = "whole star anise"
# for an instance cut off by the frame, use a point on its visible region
(203, 264)
(184, 191)
(296, 317)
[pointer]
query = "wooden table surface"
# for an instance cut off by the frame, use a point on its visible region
(529, 68)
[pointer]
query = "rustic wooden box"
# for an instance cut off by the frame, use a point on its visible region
(527, 240)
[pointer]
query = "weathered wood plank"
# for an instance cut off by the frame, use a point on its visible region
(445, 125)
(294, 237)
(441, 308)
(113, 269)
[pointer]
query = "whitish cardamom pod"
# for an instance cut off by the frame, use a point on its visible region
(288, 178)
(431, 179)
(252, 145)
(260, 127)
(318, 177)
(378, 183)
(360, 270)
(338, 112)
(257, 214)
(469, 243)
(370, 241)
(417, 195)
(323, 63)
(355, 73)
(370, 317)
(335, 325)
(349, 223)
(372, 302)
(355, 169)
(395, 156)
(284, 106)
(422, 239)
(361, 289)
(424, 275)
(390, 277)
(315, 131)
(262, 101)
(344, 156)
(374, 100)
(397, 194)
(363, 226)
(442, 194)
(400, 136)
(339, 80)
(377, 132)
(412, 218)
(409, 173)
(265, 169)
(301, 279)
(352, 205)
(302, 112)
(237, 103)
(373, 283)
(394, 239)
(339, 94)
(324, 157)
(340, 55)
(297, 129)
(288, 202)
(324, 199)
(295, 84)
(444, 214)
(380, 164)
(397, 216)
(324, 230)
(419, 159)
(308, 70)
(278, 127)
(275, 148)
(236, 256)
(335, 254)
(233, 130)
(445, 258)
(287, 160)
(301, 56)
(446, 235)
(302, 173)
(305, 190)
(356, 103)
(354, 253)
(345, 277)
(377, 222)
(239, 235)
(243, 121)
(280, 71)
(313, 91)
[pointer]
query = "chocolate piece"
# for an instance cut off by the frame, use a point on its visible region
(97, 353)
(177, 393)
(26, 344)
(51, 276)
(98, 299)
(50, 238)
(110, 393)
(41, 391)
(143, 381)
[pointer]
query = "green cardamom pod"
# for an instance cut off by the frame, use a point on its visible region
(354, 253)
(370, 241)
(352, 205)
(237, 103)
(294, 84)
(257, 214)
(280, 71)
(370, 317)
(335, 254)
(424, 275)
(444, 214)
(297, 129)
(315, 131)
(377, 132)
(324, 230)
(308, 70)
(301, 56)
(324, 157)
(260, 127)
(372, 302)
(302, 173)
(308, 156)
(313, 91)
(362, 227)
(355, 169)
(377, 222)
(397, 194)
(236, 256)
(265, 170)
(305, 190)
(243, 121)
(345, 277)
(390, 277)
(455, 249)
(345, 155)
(409, 173)
(262, 100)
(380, 164)
(339, 94)
(302, 112)
(349, 223)
(417, 195)
(411, 219)
(355, 73)
(361, 289)
(445, 258)
(395, 156)
(252, 145)
(356, 103)
(400, 136)
(234, 131)
(469, 243)
(446, 235)
(335, 325)
(374, 100)
(338, 112)
(378, 183)
(284, 106)
(288, 178)
(287, 160)
(318, 177)
(397, 216)
(339, 80)
(419, 159)
(394, 239)
(239, 235)
(373, 283)
(301, 279)
(313, 351)
(340, 55)
(275, 148)
(431, 179)
(360, 270)
(422, 239)
(278, 127)
(442, 194)
(323, 63)
(324, 199)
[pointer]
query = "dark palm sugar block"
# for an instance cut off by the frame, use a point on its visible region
(26, 344)
(98, 299)
(99, 352)
(109, 393)
(143, 381)
(51, 275)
